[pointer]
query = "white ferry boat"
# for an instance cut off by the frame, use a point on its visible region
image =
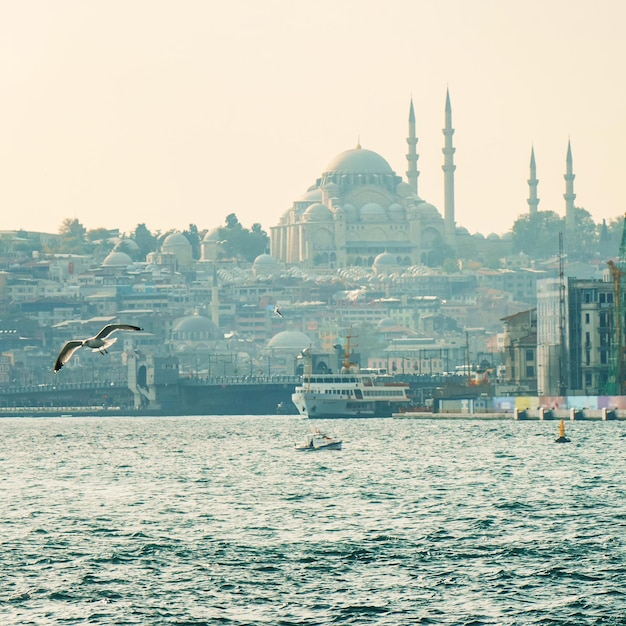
(351, 393)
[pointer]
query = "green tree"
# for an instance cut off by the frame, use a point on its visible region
(537, 235)
(145, 240)
(241, 243)
(73, 237)
(583, 242)
(193, 237)
(450, 266)
(611, 237)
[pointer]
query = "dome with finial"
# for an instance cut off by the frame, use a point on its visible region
(194, 327)
(290, 339)
(265, 264)
(358, 161)
(117, 259)
(318, 212)
(178, 245)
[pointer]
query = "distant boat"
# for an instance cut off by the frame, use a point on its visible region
(351, 393)
(318, 441)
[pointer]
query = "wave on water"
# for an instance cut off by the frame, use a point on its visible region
(191, 521)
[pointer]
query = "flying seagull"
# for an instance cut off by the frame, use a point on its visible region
(277, 311)
(99, 343)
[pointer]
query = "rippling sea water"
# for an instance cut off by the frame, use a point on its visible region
(217, 520)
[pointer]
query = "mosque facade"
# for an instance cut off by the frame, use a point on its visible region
(360, 209)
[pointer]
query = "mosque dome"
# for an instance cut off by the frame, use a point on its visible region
(493, 237)
(350, 212)
(194, 328)
(289, 340)
(117, 259)
(396, 212)
(372, 212)
(176, 240)
(385, 260)
(404, 190)
(178, 245)
(426, 209)
(212, 235)
(359, 161)
(129, 246)
(318, 212)
(386, 322)
(331, 189)
(264, 264)
(312, 194)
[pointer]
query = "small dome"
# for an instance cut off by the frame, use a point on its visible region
(372, 212)
(117, 259)
(129, 246)
(194, 328)
(265, 260)
(178, 245)
(385, 259)
(359, 161)
(350, 212)
(396, 212)
(264, 264)
(331, 189)
(176, 239)
(290, 339)
(427, 210)
(386, 322)
(318, 213)
(313, 194)
(213, 235)
(404, 190)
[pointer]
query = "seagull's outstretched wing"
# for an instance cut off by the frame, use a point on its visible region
(111, 328)
(66, 354)
(277, 311)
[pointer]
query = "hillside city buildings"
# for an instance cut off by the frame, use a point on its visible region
(358, 253)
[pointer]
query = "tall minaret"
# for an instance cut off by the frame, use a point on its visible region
(569, 194)
(448, 169)
(533, 200)
(412, 174)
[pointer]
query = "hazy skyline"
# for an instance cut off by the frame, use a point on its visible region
(171, 113)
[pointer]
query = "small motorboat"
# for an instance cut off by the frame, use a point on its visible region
(318, 440)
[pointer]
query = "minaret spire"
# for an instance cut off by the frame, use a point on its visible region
(569, 194)
(448, 169)
(533, 200)
(412, 173)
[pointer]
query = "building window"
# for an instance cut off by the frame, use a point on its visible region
(530, 371)
(530, 354)
(586, 318)
(588, 379)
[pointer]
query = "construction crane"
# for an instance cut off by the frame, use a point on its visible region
(615, 380)
(616, 376)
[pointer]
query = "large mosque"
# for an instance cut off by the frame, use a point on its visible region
(360, 208)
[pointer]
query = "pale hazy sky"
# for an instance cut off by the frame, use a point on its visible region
(175, 112)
